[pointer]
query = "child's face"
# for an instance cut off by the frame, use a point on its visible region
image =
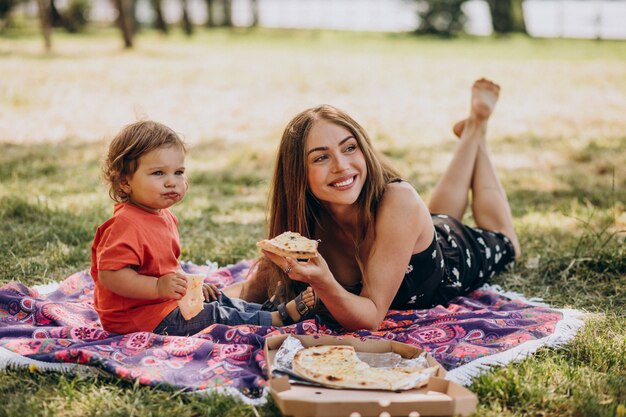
(159, 181)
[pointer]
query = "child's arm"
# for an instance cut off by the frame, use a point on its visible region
(128, 283)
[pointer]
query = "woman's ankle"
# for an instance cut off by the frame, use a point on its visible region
(293, 311)
(278, 318)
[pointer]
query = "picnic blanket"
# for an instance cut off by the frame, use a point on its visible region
(56, 328)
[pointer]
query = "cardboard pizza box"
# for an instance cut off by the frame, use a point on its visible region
(438, 398)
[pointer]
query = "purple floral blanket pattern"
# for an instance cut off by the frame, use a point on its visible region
(62, 328)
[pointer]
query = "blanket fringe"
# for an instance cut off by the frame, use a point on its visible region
(512, 295)
(564, 332)
(9, 359)
(46, 289)
(232, 392)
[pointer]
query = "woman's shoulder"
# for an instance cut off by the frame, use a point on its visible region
(402, 202)
(400, 192)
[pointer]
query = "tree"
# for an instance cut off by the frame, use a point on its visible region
(254, 8)
(159, 20)
(210, 10)
(6, 6)
(228, 13)
(73, 17)
(507, 16)
(56, 19)
(46, 24)
(187, 26)
(440, 17)
(125, 20)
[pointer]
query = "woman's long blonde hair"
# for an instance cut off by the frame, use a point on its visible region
(292, 206)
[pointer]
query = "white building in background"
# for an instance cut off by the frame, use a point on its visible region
(605, 19)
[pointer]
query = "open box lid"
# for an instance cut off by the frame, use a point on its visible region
(439, 398)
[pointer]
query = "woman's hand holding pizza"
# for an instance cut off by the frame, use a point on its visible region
(312, 272)
(284, 249)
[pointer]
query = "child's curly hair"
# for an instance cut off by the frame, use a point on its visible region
(133, 141)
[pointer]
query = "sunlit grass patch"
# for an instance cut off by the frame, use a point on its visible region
(46, 394)
(586, 377)
(40, 243)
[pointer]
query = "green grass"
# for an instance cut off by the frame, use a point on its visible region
(562, 166)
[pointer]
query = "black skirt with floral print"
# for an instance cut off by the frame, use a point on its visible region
(459, 260)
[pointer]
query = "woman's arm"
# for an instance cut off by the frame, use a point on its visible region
(403, 227)
(403, 224)
(352, 311)
(128, 283)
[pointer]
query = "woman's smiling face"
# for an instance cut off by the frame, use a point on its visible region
(336, 165)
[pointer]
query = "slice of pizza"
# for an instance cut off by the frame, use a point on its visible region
(340, 367)
(290, 245)
(193, 301)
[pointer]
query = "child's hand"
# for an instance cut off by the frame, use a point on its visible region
(172, 286)
(210, 291)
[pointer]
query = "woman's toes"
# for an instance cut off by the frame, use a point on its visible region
(458, 127)
(308, 297)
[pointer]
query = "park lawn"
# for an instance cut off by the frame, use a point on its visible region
(558, 139)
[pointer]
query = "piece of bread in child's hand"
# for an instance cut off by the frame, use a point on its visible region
(290, 245)
(192, 303)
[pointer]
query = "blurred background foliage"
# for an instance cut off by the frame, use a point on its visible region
(445, 18)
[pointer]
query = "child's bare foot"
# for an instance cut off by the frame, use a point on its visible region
(484, 98)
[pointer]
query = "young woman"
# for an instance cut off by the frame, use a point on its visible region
(381, 246)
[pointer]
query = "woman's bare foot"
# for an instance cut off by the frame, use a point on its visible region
(458, 127)
(485, 95)
(484, 98)
(308, 297)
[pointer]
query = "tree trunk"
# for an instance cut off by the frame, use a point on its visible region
(56, 19)
(187, 26)
(228, 13)
(254, 8)
(124, 20)
(507, 16)
(210, 14)
(134, 23)
(518, 16)
(441, 17)
(45, 20)
(159, 23)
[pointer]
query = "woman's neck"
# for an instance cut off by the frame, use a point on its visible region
(346, 218)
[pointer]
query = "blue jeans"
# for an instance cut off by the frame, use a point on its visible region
(226, 310)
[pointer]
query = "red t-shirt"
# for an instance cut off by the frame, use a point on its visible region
(146, 242)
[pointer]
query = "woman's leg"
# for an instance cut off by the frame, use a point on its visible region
(490, 205)
(472, 168)
(450, 195)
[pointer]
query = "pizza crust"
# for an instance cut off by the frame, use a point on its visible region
(290, 245)
(193, 301)
(340, 367)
